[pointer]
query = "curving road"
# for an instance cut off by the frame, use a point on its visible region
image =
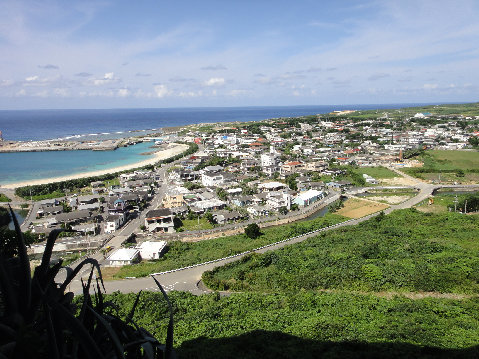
(187, 279)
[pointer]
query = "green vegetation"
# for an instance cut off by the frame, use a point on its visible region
(450, 165)
(439, 253)
(182, 254)
(453, 110)
(39, 319)
(4, 198)
(112, 182)
(195, 224)
(310, 325)
(54, 194)
(252, 231)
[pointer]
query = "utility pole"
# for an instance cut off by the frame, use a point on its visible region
(455, 204)
(465, 207)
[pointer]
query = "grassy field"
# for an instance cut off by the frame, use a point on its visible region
(449, 160)
(181, 254)
(309, 325)
(194, 225)
(356, 208)
(468, 109)
(448, 166)
(55, 194)
(405, 251)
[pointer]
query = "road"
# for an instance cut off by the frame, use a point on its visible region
(187, 279)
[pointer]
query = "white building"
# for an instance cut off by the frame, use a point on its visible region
(306, 198)
(271, 186)
(114, 221)
(123, 256)
(150, 250)
(212, 179)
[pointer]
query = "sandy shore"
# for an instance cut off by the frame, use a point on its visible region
(160, 155)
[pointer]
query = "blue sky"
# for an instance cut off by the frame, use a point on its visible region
(113, 54)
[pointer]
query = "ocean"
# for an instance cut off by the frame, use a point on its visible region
(78, 124)
(96, 124)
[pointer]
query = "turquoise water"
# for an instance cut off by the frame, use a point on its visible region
(25, 166)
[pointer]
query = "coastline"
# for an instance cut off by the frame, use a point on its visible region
(160, 155)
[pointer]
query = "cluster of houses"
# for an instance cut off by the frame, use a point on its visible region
(244, 172)
(102, 212)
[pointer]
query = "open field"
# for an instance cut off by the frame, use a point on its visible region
(356, 208)
(390, 198)
(448, 166)
(194, 224)
(376, 172)
(448, 160)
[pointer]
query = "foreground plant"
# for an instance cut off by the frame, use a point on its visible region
(39, 320)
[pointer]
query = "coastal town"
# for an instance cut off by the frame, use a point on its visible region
(268, 173)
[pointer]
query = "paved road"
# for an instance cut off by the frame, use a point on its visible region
(187, 279)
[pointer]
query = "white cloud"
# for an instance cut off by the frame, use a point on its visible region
(215, 81)
(108, 78)
(21, 92)
(161, 91)
(123, 92)
(31, 78)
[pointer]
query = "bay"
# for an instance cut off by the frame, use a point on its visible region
(26, 166)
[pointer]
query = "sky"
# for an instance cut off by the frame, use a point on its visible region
(145, 53)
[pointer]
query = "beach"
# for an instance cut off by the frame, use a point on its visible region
(174, 150)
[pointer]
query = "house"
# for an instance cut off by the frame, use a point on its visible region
(308, 197)
(212, 179)
(242, 201)
(97, 187)
(223, 217)
(116, 205)
(74, 217)
(87, 228)
(49, 210)
(151, 250)
(290, 167)
(123, 256)
(271, 186)
(114, 221)
(173, 200)
(258, 211)
(277, 200)
(160, 220)
(208, 205)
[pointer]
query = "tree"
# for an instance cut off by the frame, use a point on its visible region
(209, 217)
(252, 231)
(177, 223)
(473, 141)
